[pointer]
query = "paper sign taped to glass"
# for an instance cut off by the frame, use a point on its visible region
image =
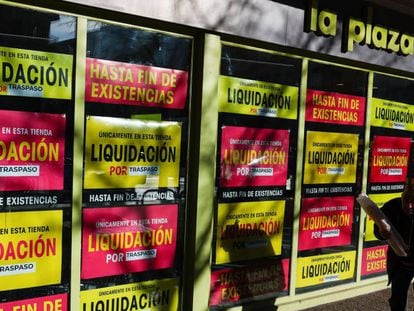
(395, 240)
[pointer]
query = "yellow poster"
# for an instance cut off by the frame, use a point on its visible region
(257, 98)
(316, 270)
(30, 249)
(378, 199)
(128, 153)
(31, 73)
(330, 158)
(391, 114)
(249, 230)
(154, 295)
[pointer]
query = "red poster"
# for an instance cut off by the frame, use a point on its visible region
(32, 150)
(335, 108)
(253, 157)
(118, 240)
(325, 222)
(131, 84)
(374, 260)
(389, 160)
(47, 303)
(238, 284)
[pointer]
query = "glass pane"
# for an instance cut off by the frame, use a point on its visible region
(332, 176)
(256, 169)
(389, 164)
(36, 111)
(135, 165)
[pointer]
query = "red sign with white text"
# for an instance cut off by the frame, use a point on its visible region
(389, 161)
(131, 84)
(335, 108)
(253, 156)
(374, 260)
(48, 303)
(325, 222)
(32, 150)
(118, 240)
(238, 284)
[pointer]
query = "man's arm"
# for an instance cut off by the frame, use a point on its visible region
(382, 231)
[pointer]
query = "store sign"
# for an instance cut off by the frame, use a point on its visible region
(127, 153)
(374, 260)
(119, 240)
(358, 31)
(331, 158)
(57, 302)
(30, 249)
(111, 82)
(32, 154)
(30, 73)
(152, 295)
(325, 222)
(253, 157)
(237, 284)
(324, 269)
(249, 230)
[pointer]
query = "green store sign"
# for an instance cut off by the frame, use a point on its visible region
(358, 31)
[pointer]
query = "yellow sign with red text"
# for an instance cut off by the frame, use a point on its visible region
(30, 249)
(249, 230)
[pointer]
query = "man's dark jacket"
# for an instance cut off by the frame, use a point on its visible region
(403, 223)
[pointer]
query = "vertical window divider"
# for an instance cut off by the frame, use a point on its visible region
(78, 152)
(362, 214)
(299, 174)
(206, 178)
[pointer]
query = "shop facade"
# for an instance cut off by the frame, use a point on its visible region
(184, 155)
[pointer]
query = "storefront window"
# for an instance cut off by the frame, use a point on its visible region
(390, 151)
(135, 165)
(332, 176)
(256, 169)
(36, 119)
